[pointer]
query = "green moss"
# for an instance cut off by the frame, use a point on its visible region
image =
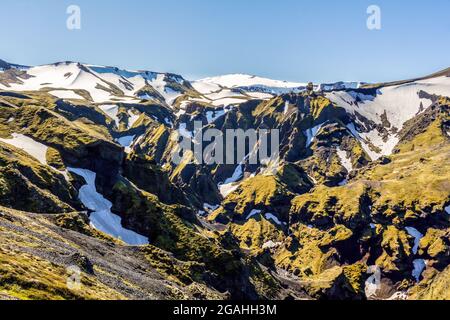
(24, 276)
(184, 273)
(318, 104)
(434, 244)
(253, 233)
(355, 275)
(396, 246)
(325, 206)
(258, 191)
(433, 287)
(309, 252)
(54, 159)
(30, 186)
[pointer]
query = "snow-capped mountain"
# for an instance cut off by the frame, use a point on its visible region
(380, 113)
(247, 83)
(341, 85)
(99, 84)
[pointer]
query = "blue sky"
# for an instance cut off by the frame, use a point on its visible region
(315, 40)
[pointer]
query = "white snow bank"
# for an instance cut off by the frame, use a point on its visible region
(345, 160)
(35, 149)
(241, 80)
(132, 118)
(237, 174)
(226, 189)
(65, 94)
(126, 142)
(311, 134)
(111, 110)
(413, 232)
(168, 93)
(396, 104)
(270, 244)
(374, 137)
(102, 218)
(212, 116)
(270, 216)
(228, 102)
(252, 213)
(419, 266)
(286, 107)
(259, 95)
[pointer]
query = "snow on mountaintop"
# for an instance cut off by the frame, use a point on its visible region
(245, 80)
(381, 113)
(213, 84)
(104, 84)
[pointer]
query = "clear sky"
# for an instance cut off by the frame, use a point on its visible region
(298, 40)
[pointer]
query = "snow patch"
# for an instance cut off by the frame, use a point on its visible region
(237, 174)
(36, 149)
(270, 244)
(311, 134)
(286, 107)
(413, 232)
(419, 266)
(399, 295)
(132, 118)
(212, 116)
(65, 94)
(345, 160)
(270, 216)
(227, 102)
(226, 189)
(252, 213)
(396, 104)
(374, 138)
(245, 81)
(168, 122)
(160, 85)
(111, 110)
(126, 142)
(102, 218)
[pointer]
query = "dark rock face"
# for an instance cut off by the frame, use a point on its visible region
(149, 177)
